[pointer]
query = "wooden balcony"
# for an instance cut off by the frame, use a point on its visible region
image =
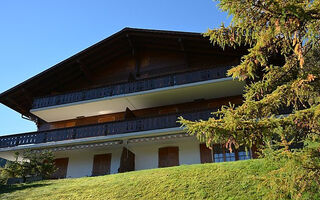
(102, 129)
(132, 87)
(141, 94)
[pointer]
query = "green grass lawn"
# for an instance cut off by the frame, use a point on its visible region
(230, 180)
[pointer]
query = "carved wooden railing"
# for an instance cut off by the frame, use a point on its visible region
(102, 129)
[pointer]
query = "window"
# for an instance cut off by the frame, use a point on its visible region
(220, 154)
(244, 154)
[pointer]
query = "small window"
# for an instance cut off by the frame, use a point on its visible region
(218, 153)
(221, 154)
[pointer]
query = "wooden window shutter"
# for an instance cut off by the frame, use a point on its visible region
(101, 164)
(168, 157)
(205, 154)
(62, 166)
(162, 158)
(127, 161)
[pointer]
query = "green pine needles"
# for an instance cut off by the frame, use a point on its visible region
(281, 102)
(280, 69)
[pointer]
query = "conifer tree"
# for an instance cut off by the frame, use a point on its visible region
(281, 70)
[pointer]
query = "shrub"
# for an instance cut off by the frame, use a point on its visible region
(31, 164)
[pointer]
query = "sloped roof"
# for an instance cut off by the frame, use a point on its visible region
(20, 97)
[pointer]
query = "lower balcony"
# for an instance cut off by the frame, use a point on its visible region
(126, 129)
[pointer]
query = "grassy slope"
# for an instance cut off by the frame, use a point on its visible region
(232, 180)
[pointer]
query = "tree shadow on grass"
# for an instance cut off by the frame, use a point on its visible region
(12, 188)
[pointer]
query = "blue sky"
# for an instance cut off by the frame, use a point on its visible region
(34, 35)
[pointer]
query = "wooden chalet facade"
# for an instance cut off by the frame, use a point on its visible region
(113, 107)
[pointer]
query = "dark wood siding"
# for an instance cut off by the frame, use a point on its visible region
(168, 156)
(101, 164)
(205, 154)
(62, 166)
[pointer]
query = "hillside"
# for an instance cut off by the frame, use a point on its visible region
(231, 180)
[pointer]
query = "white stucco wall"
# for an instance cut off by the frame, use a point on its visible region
(146, 155)
(81, 161)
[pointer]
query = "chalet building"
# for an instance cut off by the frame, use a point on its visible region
(113, 107)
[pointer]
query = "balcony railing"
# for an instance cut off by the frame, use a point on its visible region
(103, 129)
(136, 86)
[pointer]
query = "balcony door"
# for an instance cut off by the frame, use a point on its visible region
(101, 164)
(168, 156)
(62, 166)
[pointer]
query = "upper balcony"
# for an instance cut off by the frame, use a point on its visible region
(110, 131)
(140, 94)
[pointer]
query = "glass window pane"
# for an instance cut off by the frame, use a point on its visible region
(230, 156)
(218, 154)
(244, 155)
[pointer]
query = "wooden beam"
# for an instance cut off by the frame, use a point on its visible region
(192, 50)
